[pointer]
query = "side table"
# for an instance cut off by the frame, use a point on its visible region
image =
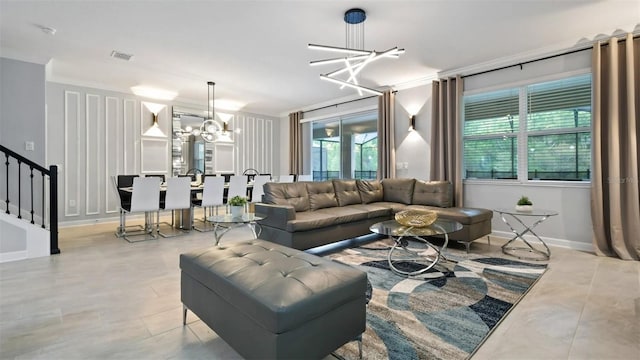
(542, 215)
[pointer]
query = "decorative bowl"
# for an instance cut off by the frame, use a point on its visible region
(416, 218)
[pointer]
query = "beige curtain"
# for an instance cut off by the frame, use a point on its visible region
(386, 134)
(295, 143)
(615, 199)
(446, 148)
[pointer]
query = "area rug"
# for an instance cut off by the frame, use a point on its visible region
(445, 313)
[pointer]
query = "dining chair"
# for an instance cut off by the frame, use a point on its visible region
(212, 198)
(161, 176)
(178, 197)
(145, 197)
(227, 176)
(237, 186)
(285, 178)
(258, 189)
(305, 178)
(120, 182)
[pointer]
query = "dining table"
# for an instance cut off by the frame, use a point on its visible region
(196, 188)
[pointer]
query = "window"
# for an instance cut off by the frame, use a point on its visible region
(556, 133)
(345, 147)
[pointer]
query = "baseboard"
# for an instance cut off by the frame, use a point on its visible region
(13, 256)
(564, 243)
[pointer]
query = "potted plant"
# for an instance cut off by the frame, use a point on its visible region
(524, 204)
(237, 204)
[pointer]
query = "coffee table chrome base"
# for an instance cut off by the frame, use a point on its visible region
(220, 230)
(431, 262)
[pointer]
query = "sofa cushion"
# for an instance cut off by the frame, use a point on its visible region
(432, 193)
(398, 190)
(370, 190)
(345, 214)
(465, 216)
(374, 210)
(321, 195)
(294, 194)
(393, 206)
(310, 220)
(346, 192)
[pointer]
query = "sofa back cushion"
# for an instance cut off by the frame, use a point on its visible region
(432, 193)
(346, 192)
(294, 194)
(321, 195)
(398, 190)
(370, 190)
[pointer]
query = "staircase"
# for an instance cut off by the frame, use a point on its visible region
(29, 203)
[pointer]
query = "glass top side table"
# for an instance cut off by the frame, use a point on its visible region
(509, 249)
(226, 222)
(398, 232)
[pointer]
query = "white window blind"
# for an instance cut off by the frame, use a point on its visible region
(557, 132)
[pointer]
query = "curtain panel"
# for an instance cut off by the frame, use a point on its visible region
(615, 199)
(386, 135)
(295, 143)
(446, 144)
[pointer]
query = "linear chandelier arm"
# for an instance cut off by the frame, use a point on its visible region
(353, 75)
(338, 49)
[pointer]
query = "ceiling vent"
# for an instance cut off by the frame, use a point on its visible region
(121, 55)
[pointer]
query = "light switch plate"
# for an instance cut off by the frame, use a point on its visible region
(29, 145)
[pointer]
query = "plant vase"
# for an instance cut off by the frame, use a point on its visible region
(237, 211)
(524, 208)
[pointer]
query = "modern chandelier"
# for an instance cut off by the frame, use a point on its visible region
(356, 57)
(211, 130)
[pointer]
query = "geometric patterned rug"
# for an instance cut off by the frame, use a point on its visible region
(445, 313)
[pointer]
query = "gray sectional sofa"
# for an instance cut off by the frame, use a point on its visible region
(304, 215)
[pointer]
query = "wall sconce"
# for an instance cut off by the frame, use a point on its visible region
(412, 122)
(154, 130)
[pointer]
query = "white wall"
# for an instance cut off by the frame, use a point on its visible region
(22, 104)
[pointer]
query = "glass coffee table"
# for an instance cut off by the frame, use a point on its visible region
(223, 223)
(423, 257)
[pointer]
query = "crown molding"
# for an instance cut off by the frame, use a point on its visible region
(539, 53)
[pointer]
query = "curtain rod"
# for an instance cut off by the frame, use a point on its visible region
(543, 58)
(345, 102)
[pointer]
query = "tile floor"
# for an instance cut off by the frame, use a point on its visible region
(104, 298)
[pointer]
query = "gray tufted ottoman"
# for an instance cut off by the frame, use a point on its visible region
(272, 302)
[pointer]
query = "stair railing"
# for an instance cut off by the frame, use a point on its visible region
(52, 174)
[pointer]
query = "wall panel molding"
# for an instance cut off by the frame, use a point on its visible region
(154, 156)
(113, 151)
(93, 166)
(130, 153)
(224, 156)
(71, 153)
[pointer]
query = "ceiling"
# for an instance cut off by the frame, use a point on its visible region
(256, 51)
